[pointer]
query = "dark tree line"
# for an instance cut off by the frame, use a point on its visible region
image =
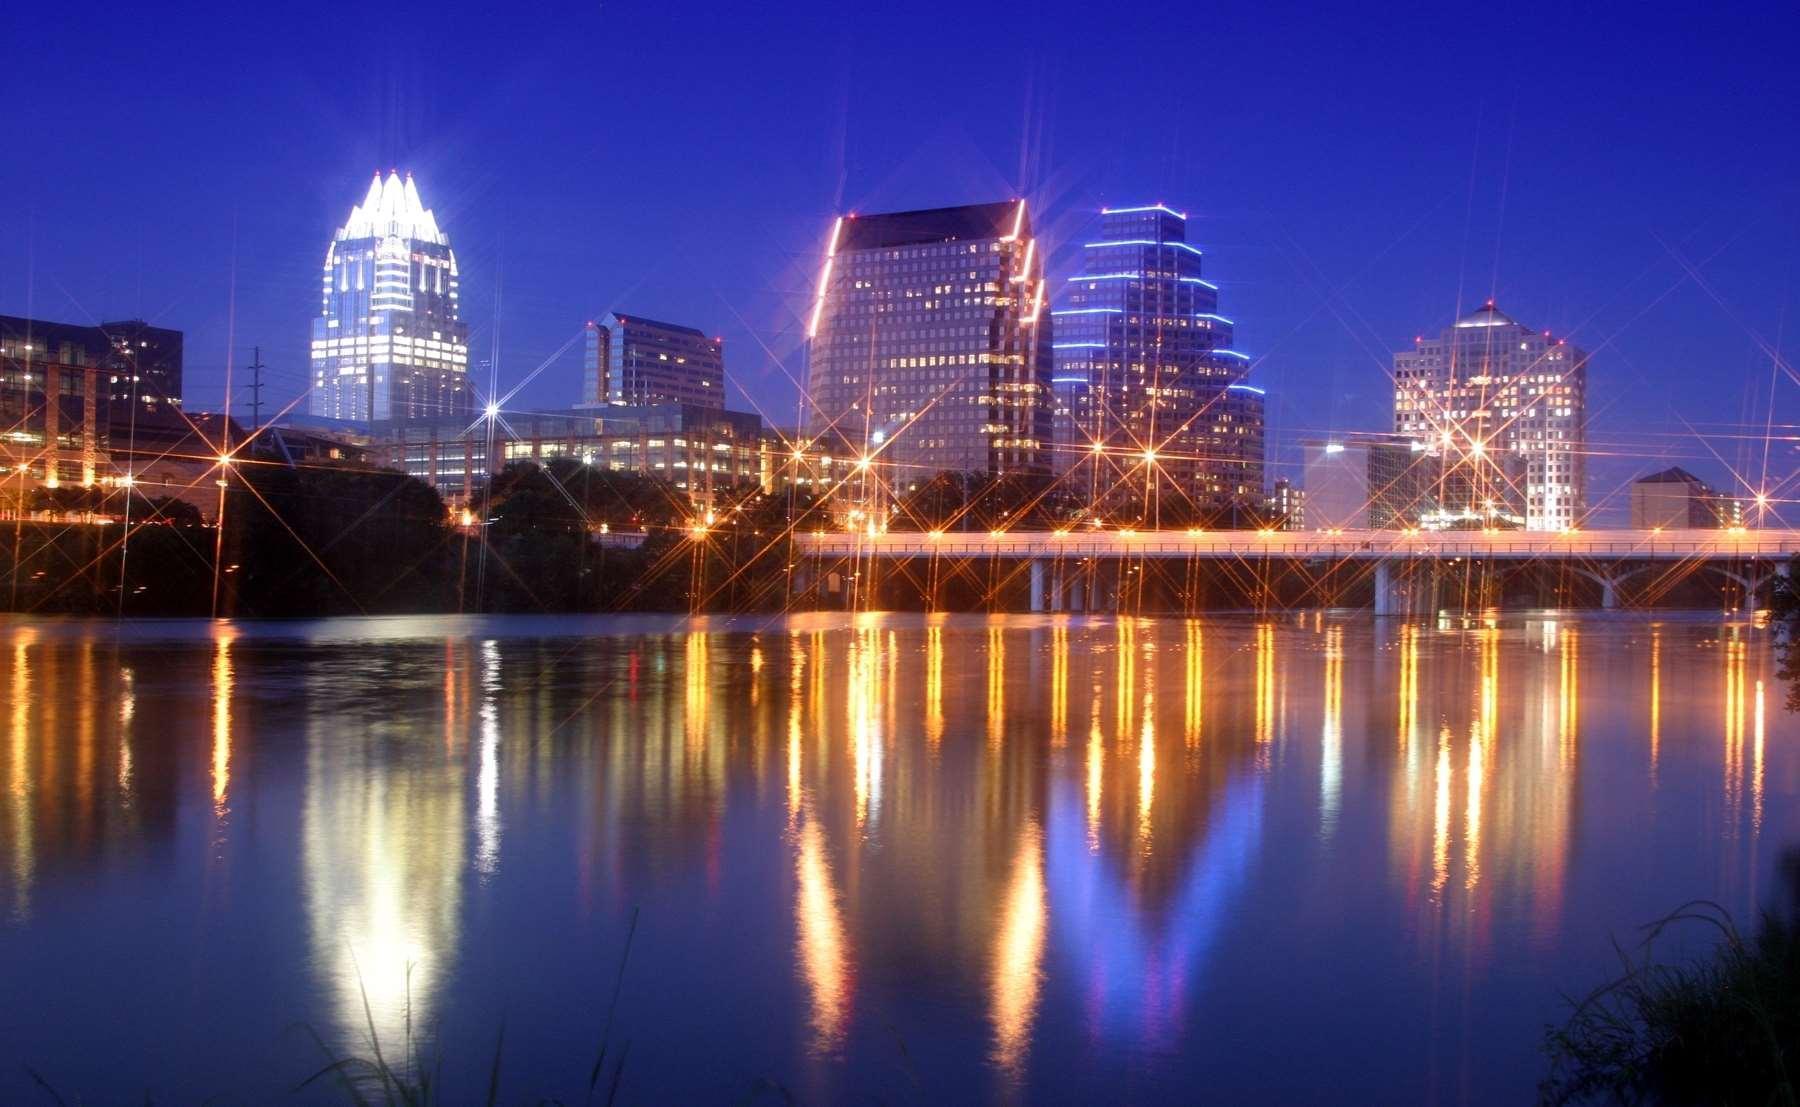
(329, 540)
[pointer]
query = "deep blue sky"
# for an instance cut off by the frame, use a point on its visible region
(1353, 177)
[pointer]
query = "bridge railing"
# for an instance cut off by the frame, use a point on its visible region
(1378, 545)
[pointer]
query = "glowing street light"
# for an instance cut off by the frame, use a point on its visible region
(493, 410)
(1150, 457)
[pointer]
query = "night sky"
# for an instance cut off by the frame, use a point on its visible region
(1633, 183)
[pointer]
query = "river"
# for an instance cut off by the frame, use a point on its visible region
(1315, 858)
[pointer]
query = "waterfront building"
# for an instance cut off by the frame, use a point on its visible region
(637, 362)
(1368, 482)
(389, 343)
(1287, 503)
(1504, 409)
(1148, 420)
(141, 364)
(175, 455)
(54, 424)
(702, 451)
(929, 347)
(1675, 499)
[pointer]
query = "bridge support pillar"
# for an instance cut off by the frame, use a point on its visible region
(802, 579)
(1609, 593)
(1094, 587)
(1076, 595)
(1037, 585)
(1384, 589)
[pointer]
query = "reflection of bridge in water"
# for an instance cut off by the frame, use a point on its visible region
(1399, 571)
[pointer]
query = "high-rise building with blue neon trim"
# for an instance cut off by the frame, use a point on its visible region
(1146, 424)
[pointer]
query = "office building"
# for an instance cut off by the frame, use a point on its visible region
(1287, 503)
(701, 451)
(140, 364)
(1504, 408)
(638, 362)
(389, 343)
(1368, 482)
(54, 423)
(1148, 422)
(1676, 499)
(929, 347)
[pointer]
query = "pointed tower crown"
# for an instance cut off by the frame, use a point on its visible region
(392, 207)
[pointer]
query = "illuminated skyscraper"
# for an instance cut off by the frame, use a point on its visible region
(638, 361)
(1504, 409)
(389, 343)
(929, 345)
(1154, 422)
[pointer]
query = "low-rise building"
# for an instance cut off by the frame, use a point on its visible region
(53, 426)
(699, 450)
(1675, 499)
(1368, 482)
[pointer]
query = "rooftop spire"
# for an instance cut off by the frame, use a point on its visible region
(391, 207)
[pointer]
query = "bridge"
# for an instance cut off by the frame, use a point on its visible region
(1086, 570)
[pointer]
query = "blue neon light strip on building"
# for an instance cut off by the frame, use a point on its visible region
(1231, 353)
(1181, 215)
(1197, 280)
(1246, 388)
(1068, 380)
(1216, 318)
(1089, 311)
(1143, 242)
(1078, 345)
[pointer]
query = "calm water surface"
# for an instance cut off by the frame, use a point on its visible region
(1315, 859)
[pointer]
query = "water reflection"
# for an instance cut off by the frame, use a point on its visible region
(19, 829)
(1052, 838)
(382, 857)
(221, 711)
(823, 950)
(1019, 950)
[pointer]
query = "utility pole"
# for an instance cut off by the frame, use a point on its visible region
(256, 368)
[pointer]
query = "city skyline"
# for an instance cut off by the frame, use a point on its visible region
(1678, 285)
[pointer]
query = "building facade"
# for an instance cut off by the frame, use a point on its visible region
(929, 347)
(141, 364)
(1287, 503)
(54, 424)
(636, 362)
(700, 450)
(1676, 499)
(1144, 376)
(1504, 409)
(1368, 482)
(389, 343)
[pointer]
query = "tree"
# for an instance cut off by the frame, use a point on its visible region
(332, 539)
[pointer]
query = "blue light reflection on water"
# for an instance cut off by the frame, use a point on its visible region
(946, 858)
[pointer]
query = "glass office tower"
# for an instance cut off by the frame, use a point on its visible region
(637, 361)
(929, 345)
(1149, 426)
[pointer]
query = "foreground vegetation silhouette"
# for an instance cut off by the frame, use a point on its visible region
(1723, 1029)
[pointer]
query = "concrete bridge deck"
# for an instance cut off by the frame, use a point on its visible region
(1752, 558)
